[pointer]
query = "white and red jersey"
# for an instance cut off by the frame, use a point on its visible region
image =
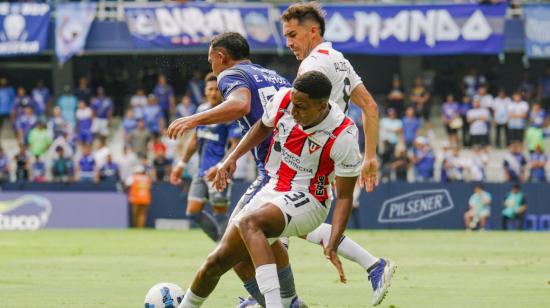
(323, 58)
(307, 160)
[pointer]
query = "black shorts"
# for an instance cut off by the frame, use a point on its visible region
(451, 131)
(481, 140)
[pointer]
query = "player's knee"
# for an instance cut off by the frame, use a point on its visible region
(249, 223)
(214, 265)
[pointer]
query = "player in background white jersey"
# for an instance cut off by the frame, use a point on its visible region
(303, 27)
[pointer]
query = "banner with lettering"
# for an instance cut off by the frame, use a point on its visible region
(537, 36)
(72, 23)
(23, 28)
(416, 29)
(161, 26)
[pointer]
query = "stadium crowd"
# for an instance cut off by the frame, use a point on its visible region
(65, 138)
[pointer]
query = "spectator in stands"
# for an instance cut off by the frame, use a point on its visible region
(420, 99)
(161, 167)
(396, 97)
(61, 141)
(4, 166)
(68, 103)
(101, 152)
(129, 123)
(485, 99)
(423, 159)
(22, 163)
(83, 92)
(451, 119)
(173, 147)
(527, 88)
(24, 124)
(62, 167)
(465, 106)
(517, 118)
(103, 112)
(138, 102)
(139, 139)
(446, 154)
(41, 96)
(478, 118)
(411, 125)
(472, 81)
(109, 172)
(514, 164)
(534, 137)
(454, 166)
(515, 206)
(57, 126)
(39, 140)
(195, 88)
(500, 109)
(139, 195)
(158, 145)
(21, 101)
(7, 97)
(38, 170)
(186, 107)
(152, 114)
(128, 161)
(543, 89)
(164, 97)
(391, 130)
(479, 209)
(399, 165)
(537, 162)
(86, 165)
(477, 165)
(84, 118)
(537, 116)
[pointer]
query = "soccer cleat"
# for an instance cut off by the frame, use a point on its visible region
(380, 277)
(249, 302)
(297, 303)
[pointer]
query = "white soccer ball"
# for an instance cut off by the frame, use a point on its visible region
(164, 295)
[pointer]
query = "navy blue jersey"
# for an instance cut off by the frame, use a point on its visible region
(213, 140)
(262, 84)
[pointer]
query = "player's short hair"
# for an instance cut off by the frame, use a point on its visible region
(306, 11)
(234, 43)
(315, 84)
(210, 77)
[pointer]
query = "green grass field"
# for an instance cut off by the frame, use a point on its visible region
(65, 268)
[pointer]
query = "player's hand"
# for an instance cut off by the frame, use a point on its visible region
(180, 126)
(332, 256)
(368, 178)
(210, 175)
(175, 175)
(224, 174)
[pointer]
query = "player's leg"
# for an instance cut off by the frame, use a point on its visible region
(141, 215)
(468, 218)
(230, 251)
(198, 192)
(219, 202)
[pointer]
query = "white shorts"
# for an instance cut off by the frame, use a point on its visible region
(302, 212)
(100, 126)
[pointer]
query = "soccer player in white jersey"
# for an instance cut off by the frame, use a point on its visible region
(303, 27)
(313, 145)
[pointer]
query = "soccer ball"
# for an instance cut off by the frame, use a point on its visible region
(164, 295)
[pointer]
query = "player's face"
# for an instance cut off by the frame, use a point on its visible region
(212, 93)
(306, 111)
(216, 59)
(298, 37)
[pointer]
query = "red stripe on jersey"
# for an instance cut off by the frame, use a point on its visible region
(318, 184)
(323, 51)
(280, 112)
(294, 144)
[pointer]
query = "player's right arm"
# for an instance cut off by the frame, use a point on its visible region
(190, 149)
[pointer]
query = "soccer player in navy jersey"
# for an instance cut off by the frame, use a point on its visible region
(212, 142)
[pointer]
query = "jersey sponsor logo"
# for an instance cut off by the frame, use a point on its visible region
(415, 206)
(312, 146)
(294, 161)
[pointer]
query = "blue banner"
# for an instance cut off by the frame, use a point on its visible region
(23, 28)
(537, 36)
(194, 24)
(416, 29)
(73, 21)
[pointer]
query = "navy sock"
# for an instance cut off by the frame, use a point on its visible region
(286, 281)
(207, 223)
(252, 287)
(221, 221)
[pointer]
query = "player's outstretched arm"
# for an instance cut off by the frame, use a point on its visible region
(341, 212)
(369, 170)
(257, 133)
(233, 108)
(190, 149)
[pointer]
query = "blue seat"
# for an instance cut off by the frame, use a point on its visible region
(530, 223)
(544, 222)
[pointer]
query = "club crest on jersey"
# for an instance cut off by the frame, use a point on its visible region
(313, 146)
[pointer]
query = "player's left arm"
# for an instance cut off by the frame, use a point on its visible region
(364, 100)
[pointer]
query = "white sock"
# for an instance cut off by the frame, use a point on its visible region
(191, 300)
(347, 248)
(268, 282)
